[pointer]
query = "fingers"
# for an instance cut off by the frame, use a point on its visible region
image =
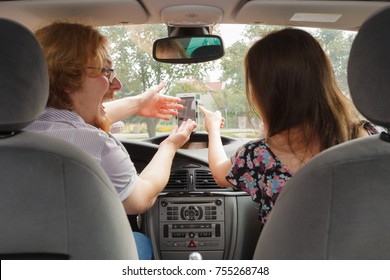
(208, 112)
(166, 112)
(212, 119)
(162, 117)
(170, 99)
(180, 135)
(159, 87)
(204, 110)
(222, 123)
(187, 126)
(174, 106)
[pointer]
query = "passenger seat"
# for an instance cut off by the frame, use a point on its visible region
(338, 205)
(55, 200)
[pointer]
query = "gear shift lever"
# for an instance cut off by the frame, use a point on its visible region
(195, 256)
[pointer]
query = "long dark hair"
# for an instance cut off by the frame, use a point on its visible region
(290, 84)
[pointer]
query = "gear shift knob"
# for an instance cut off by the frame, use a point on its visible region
(195, 256)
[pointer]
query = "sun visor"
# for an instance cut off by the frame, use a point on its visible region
(35, 14)
(322, 14)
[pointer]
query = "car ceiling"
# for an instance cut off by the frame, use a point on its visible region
(347, 15)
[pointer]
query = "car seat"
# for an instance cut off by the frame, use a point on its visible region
(337, 206)
(55, 200)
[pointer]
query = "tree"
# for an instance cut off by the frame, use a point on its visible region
(337, 45)
(255, 32)
(189, 86)
(232, 100)
(131, 50)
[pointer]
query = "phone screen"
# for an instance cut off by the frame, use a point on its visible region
(189, 110)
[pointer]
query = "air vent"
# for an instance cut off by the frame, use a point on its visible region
(178, 180)
(204, 180)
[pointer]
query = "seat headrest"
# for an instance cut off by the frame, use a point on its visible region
(24, 79)
(369, 69)
(205, 51)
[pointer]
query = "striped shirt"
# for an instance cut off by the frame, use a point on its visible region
(104, 148)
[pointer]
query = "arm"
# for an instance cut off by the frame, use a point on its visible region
(147, 104)
(155, 175)
(219, 163)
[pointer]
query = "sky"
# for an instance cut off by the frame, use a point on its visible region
(230, 33)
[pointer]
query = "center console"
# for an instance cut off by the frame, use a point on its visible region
(209, 225)
(192, 223)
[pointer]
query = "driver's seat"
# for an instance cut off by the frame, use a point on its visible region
(55, 200)
(338, 205)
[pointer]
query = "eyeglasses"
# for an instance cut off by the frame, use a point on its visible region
(108, 72)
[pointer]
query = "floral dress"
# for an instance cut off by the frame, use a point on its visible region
(257, 171)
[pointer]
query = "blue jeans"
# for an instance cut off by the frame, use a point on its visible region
(144, 246)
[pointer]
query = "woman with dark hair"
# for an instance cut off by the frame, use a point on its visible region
(291, 86)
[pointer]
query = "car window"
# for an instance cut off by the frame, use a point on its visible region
(218, 85)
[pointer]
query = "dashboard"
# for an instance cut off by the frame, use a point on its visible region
(198, 140)
(193, 213)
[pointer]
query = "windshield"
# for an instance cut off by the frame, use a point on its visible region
(217, 85)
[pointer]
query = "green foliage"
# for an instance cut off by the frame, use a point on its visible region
(337, 45)
(233, 65)
(187, 87)
(253, 33)
(131, 51)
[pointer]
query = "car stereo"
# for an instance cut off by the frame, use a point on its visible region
(191, 224)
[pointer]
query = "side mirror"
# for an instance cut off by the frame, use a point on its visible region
(188, 49)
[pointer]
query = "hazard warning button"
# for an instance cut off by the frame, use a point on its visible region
(192, 244)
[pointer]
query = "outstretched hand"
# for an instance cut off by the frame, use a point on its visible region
(212, 120)
(158, 106)
(180, 135)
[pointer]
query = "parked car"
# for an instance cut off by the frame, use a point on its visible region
(117, 127)
(193, 213)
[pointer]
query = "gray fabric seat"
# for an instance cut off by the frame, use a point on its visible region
(337, 206)
(55, 200)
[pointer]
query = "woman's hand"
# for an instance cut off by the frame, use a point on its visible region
(155, 105)
(212, 120)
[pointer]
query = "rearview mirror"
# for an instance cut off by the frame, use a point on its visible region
(188, 49)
